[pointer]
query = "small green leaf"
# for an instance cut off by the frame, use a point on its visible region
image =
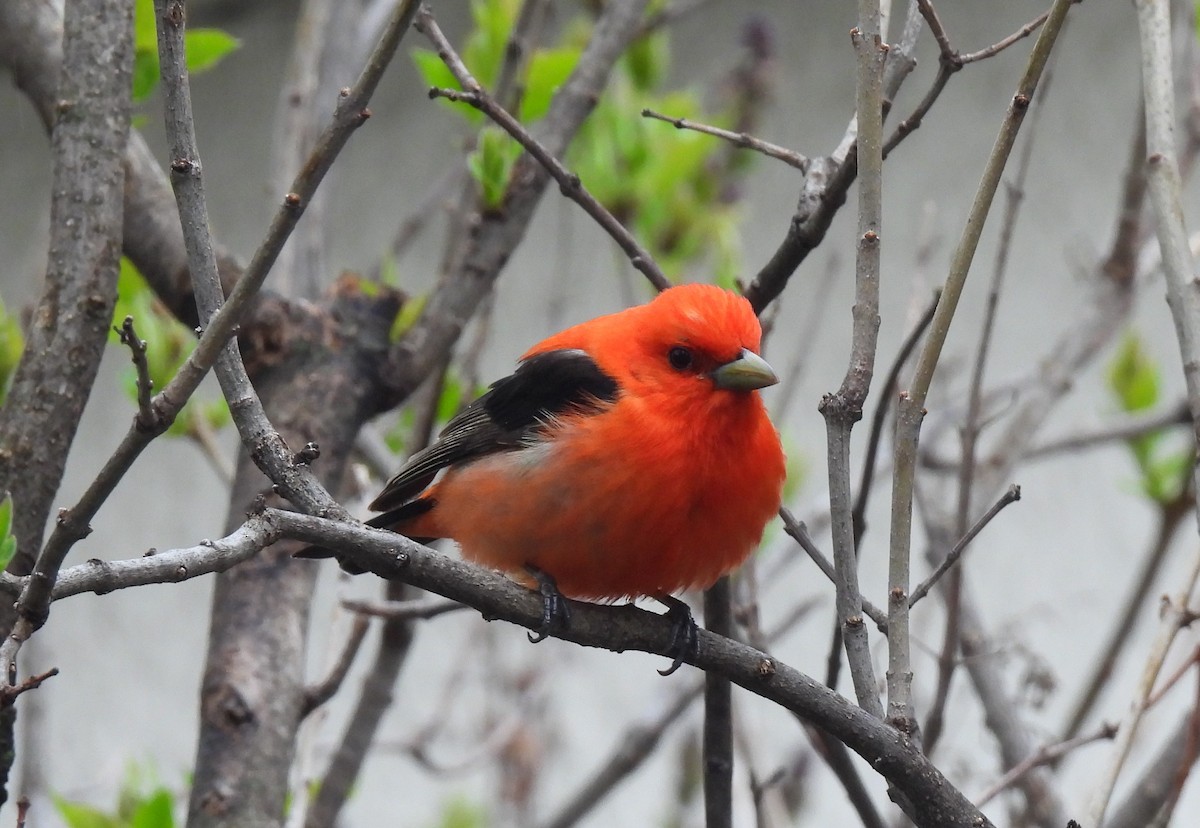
(145, 35)
(389, 270)
(548, 70)
(408, 314)
(145, 73)
(646, 61)
(155, 811)
(8, 543)
(6, 510)
(451, 399)
(204, 48)
(12, 344)
(491, 164)
(78, 815)
(461, 813)
(1133, 376)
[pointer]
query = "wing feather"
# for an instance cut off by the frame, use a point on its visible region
(513, 411)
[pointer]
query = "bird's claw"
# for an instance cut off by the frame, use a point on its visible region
(556, 614)
(685, 636)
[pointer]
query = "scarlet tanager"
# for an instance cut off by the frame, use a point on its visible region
(630, 455)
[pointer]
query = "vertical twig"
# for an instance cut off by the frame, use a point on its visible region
(718, 716)
(911, 408)
(844, 408)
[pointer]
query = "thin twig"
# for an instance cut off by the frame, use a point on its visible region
(1171, 519)
(317, 694)
(1002, 44)
(843, 409)
(1127, 428)
(717, 743)
(1175, 612)
(569, 182)
(1173, 679)
(798, 531)
(739, 139)
(145, 386)
(890, 385)
(1045, 755)
(911, 409)
(1011, 496)
(10, 691)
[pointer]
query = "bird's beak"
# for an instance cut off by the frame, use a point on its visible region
(746, 373)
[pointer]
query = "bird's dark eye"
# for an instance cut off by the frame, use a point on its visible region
(680, 358)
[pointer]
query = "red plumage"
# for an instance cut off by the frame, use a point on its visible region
(628, 455)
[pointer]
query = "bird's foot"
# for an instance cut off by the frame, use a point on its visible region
(685, 638)
(555, 612)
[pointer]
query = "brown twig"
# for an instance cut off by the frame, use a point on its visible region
(798, 531)
(317, 694)
(1044, 755)
(717, 743)
(890, 386)
(145, 386)
(1171, 519)
(11, 690)
(1011, 496)
(738, 139)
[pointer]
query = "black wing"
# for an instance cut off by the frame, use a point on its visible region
(503, 419)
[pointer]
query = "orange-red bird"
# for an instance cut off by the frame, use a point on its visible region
(630, 455)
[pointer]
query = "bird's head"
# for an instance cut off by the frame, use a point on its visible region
(698, 339)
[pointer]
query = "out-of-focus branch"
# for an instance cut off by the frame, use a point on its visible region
(1183, 295)
(1171, 518)
(1162, 780)
(495, 234)
(321, 692)
(569, 183)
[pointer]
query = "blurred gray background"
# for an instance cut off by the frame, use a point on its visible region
(1048, 574)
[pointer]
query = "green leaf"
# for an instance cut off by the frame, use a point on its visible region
(145, 73)
(646, 62)
(461, 813)
(78, 815)
(408, 314)
(8, 543)
(1133, 377)
(451, 399)
(492, 162)
(145, 35)
(12, 344)
(548, 70)
(434, 71)
(155, 811)
(204, 48)
(484, 49)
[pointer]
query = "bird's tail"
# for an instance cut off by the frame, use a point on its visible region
(394, 520)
